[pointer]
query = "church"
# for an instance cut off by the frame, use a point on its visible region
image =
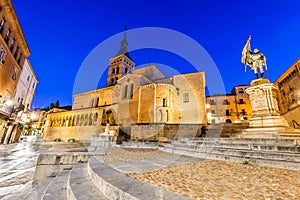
(138, 103)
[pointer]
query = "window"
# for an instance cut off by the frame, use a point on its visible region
(19, 59)
(92, 102)
(227, 113)
(185, 97)
(16, 52)
(243, 112)
(126, 70)
(28, 77)
(2, 25)
(164, 102)
(7, 36)
(33, 85)
(131, 90)
(96, 102)
(212, 102)
(213, 112)
(11, 47)
(241, 101)
(2, 55)
(225, 102)
(113, 71)
(118, 70)
(125, 91)
(241, 91)
(15, 74)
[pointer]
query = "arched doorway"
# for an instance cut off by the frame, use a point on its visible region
(228, 121)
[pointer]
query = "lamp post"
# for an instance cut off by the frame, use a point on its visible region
(8, 108)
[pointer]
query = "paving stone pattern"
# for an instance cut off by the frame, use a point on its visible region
(124, 155)
(206, 180)
(224, 180)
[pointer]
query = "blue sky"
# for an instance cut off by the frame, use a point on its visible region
(61, 33)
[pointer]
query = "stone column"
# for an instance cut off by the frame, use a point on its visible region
(266, 120)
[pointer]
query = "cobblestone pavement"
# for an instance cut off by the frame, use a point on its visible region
(206, 179)
(18, 162)
(124, 155)
(224, 180)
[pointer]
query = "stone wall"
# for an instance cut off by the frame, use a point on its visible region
(77, 132)
(82, 133)
(293, 116)
(164, 132)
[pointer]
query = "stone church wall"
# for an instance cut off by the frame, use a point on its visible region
(82, 133)
(164, 132)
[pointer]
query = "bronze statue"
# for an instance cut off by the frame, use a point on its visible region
(255, 60)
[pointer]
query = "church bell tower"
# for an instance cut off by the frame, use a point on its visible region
(119, 65)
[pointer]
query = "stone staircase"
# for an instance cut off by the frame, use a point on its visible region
(91, 180)
(280, 153)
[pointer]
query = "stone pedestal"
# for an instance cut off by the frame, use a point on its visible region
(103, 141)
(266, 120)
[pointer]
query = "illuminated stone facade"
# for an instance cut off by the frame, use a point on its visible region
(13, 52)
(229, 108)
(289, 94)
(132, 97)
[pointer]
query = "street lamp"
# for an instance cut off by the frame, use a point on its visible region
(9, 103)
(33, 116)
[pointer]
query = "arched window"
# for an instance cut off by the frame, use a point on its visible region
(131, 90)
(125, 91)
(92, 102)
(96, 103)
(167, 112)
(164, 102)
(113, 71)
(112, 81)
(126, 70)
(118, 70)
(161, 115)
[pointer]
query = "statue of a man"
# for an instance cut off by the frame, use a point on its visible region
(255, 60)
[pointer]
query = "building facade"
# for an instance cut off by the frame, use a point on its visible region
(289, 94)
(13, 52)
(133, 98)
(229, 108)
(25, 89)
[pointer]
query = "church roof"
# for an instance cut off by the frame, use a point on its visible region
(152, 72)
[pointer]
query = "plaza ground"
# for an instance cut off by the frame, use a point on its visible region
(187, 176)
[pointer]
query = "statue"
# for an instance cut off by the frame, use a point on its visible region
(107, 129)
(255, 61)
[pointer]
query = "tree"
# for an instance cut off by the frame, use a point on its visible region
(56, 104)
(51, 106)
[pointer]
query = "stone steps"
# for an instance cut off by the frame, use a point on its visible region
(58, 187)
(275, 158)
(254, 147)
(116, 185)
(281, 141)
(80, 186)
(47, 189)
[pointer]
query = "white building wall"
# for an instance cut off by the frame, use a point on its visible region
(26, 86)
